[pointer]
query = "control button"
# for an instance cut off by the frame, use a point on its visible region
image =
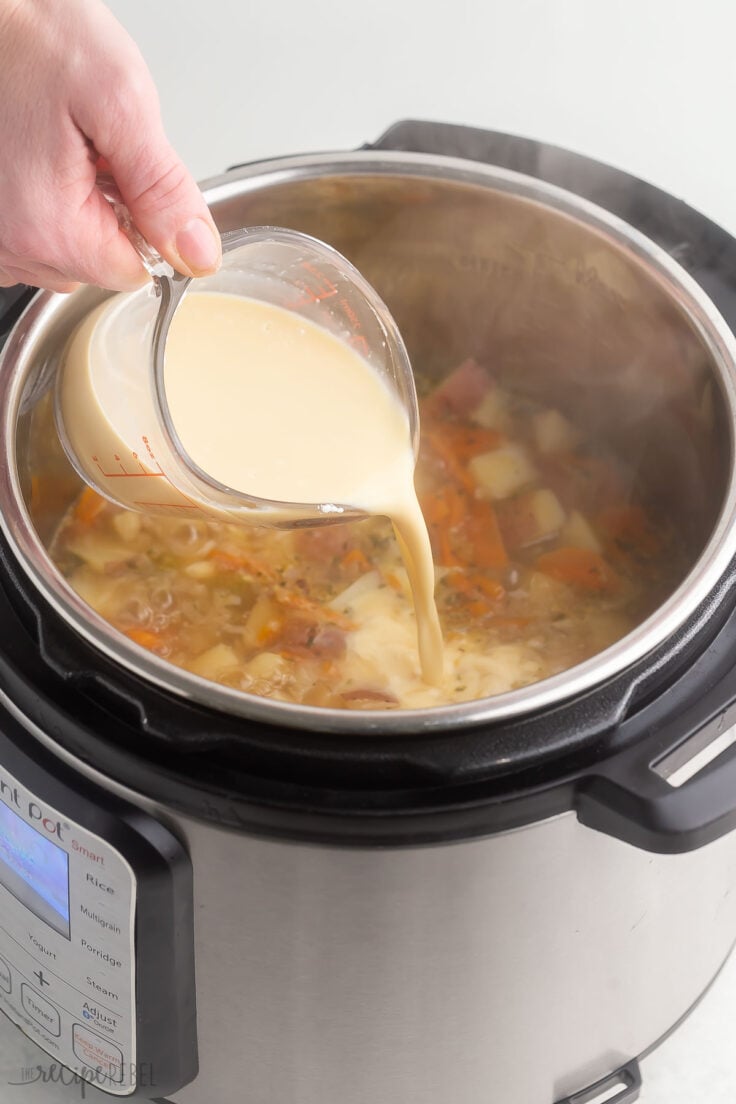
(97, 1053)
(41, 979)
(40, 1010)
(100, 954)
(102, 991)
(101, 884)
(97, 917)
(5, 977)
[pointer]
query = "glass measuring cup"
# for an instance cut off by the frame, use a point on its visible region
(112, 410)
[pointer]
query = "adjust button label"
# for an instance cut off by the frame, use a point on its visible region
(40, 1010)
(6, 983)
(97, 1053)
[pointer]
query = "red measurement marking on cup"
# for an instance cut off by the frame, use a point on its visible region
(322, 288)
(124, 473)
(359, 342)
(186, 504)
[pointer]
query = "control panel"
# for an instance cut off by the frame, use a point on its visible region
(67, 939)
(96, 925)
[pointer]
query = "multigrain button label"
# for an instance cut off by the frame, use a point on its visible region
(97, 919)
(103, 956)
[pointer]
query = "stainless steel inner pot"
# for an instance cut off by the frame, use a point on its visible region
(560, 299)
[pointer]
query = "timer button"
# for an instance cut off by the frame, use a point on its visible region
(6, 983)
(97, 1053)
(39, 1009)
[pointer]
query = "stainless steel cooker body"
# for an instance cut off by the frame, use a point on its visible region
(522, 967)
(435, 955)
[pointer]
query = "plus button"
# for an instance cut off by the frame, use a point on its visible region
(41, 979)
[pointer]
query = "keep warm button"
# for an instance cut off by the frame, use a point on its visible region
(40, 1010)
(97, 1053)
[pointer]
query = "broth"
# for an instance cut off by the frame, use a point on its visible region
(544, 546)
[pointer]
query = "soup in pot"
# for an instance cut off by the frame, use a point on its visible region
(545, 549)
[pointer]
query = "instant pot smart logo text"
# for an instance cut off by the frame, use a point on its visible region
(31, 810)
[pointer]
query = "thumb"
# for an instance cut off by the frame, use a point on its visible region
(165, 204)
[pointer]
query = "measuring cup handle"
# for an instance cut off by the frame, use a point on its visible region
(151, 260)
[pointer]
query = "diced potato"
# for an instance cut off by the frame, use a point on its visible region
(530, 518)
(201, 570)
(547, 592)
(215, 662)
(502, 472)
(547, 512)
(102, 592)
(127, 525)
(577, 533)
(264, 623)
(553, 433)
(266, 665)
(491, 410)
(99, 550)
(362, 585)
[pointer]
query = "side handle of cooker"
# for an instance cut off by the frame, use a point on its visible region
(669, 793)
(13, 301)
(621, 1087)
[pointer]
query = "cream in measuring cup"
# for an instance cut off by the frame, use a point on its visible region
(258, 414)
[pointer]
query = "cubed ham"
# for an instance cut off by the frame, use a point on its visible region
(463, 389)
(324, 542)
(308, 638)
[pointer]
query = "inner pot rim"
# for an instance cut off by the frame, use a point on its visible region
(720, 550)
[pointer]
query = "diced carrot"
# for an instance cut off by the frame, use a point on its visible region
(490, 587)
(579, 567)
(476, 587)
(145, 638)
(301, 602)
(88, 506)
(446, 507)
(484, 535)
(444, 450)
(466, 441)
(227, 561)
(356, 557)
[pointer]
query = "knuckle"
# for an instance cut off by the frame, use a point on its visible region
(159, 184)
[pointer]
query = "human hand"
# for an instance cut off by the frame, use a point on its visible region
(73, 89)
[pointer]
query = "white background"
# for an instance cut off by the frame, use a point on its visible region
(647, 85)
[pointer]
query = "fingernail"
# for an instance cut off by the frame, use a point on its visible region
(198, 248)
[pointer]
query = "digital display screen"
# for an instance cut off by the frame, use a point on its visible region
(34, 870)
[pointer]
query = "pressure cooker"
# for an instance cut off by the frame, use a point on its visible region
(208, 897)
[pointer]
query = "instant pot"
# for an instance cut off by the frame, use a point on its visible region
(207, 897)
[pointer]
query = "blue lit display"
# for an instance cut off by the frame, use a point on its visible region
(34, 870)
